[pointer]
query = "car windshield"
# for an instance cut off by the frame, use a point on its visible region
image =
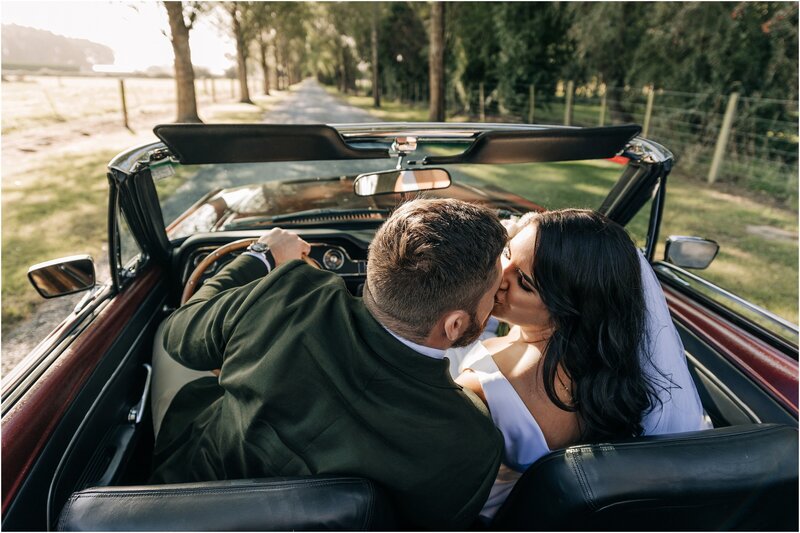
(225, 197)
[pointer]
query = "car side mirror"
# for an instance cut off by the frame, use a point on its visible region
(60, 277)
(401, 181)
(690, 252)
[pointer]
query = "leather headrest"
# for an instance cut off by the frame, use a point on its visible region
(740, 477)
(277, 504)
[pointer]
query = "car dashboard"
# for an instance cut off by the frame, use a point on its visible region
(344, 254)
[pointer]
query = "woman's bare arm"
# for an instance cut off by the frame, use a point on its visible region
(469, 380)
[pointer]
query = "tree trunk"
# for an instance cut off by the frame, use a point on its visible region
(342, 70)
(262, 46)
(436, 63)
(279, 67)
(241, 58)
(376, 91)
(184, 72)
(273, 70)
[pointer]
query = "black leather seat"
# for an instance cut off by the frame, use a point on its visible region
(275, 504)
(734, 478)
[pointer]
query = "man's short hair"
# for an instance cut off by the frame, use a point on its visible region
(430, 257)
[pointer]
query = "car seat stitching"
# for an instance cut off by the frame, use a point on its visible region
(571, 457)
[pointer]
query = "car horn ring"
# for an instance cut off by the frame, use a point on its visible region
(216, 255)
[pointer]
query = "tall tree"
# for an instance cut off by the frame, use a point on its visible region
(373, 34)
(184, 72)
(436, 63)
(241, 27)
(291, 21)
(263, 15)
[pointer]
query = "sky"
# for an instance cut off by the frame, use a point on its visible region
(133, 30)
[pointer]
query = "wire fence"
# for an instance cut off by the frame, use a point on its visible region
(747, 141)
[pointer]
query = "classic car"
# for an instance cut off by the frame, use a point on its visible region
(77, 438)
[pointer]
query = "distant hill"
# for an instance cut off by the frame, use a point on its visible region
(29, 48)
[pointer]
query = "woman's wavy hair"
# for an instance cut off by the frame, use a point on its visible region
(587, 273)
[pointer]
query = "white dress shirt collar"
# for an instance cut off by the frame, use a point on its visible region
(433, 353)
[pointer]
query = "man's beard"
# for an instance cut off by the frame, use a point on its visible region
(472, 333)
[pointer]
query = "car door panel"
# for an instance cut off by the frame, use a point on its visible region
(743, 376)
(78, 404)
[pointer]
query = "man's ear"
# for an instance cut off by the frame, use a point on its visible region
(455, 324)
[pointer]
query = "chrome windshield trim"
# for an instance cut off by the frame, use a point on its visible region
(23, 376)
(760, 311)
(461, 130)
(126, 160)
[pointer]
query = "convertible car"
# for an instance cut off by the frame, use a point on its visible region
(77, 434)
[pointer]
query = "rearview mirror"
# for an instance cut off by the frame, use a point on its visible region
(690, 252)
(400, 181)
(63, 276)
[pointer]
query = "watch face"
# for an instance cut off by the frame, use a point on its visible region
(258, 247)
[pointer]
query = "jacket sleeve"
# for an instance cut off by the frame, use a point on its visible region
(195, 335)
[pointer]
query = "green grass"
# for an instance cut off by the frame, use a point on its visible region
(59, 210)
(764, 271)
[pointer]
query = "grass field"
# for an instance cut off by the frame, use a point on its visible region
(758, 256)
(43, 100)
(54, 197)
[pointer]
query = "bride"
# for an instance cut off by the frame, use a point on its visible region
(592, 354)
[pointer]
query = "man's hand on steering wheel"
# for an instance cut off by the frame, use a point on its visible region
(284, 245)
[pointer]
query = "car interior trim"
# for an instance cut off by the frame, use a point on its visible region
(25, 435)
(694, 363)
(669, 278)
(774, 371)
(56, 479)
(758, 400)
(755, 309)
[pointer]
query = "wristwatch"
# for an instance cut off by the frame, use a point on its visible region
(259, 248)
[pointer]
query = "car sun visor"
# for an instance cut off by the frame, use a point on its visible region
(194, 144)
(536, 146)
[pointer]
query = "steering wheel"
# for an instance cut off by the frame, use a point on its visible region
(214, 256)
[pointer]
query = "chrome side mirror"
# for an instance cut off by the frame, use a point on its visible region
(401, 181)
(690, 252)
(63, 276)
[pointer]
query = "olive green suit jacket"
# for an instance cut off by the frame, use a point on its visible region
(311, 383)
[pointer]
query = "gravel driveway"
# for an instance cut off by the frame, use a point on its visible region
(308, 103)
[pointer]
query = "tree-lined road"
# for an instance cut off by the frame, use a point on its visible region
(307, 103)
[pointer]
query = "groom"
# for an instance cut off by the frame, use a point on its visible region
(316, 381)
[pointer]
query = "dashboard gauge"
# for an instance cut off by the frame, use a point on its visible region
(333, 259)
(199, 258)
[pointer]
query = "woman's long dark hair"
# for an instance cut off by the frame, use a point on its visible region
(587, 273)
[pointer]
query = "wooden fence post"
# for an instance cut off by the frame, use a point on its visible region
(124, 105)
(722, 139)
(568, 104)
(648, 111)
(531, 102)
(603, 105)
(481, 103)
